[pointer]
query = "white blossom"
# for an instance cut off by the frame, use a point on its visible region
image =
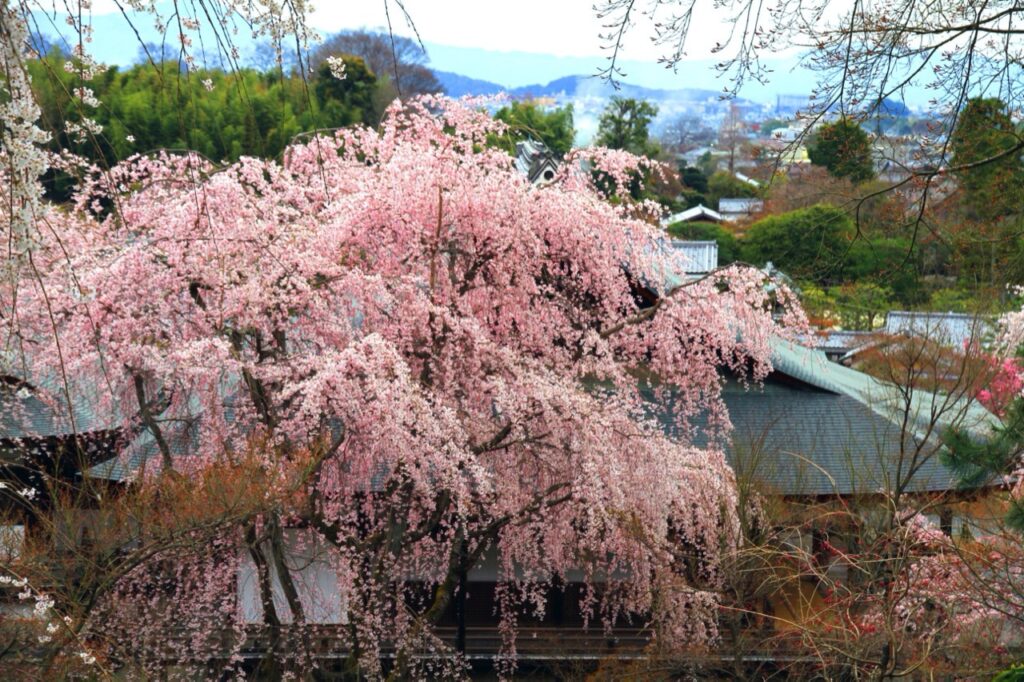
(87, 96)
(83, 129)
(337, 67)
(20, 138)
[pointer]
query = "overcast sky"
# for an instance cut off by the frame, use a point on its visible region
(558, 27)
(511, 42)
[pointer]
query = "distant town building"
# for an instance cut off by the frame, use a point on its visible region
(791, 104)
(693, 156)
(953, 330)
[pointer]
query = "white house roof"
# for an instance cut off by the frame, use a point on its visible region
(697, 212)
(747, 179)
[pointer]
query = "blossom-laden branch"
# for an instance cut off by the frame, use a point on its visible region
(426, 338)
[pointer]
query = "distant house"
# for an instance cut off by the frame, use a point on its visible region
(535, 161)
(787, 153)
(698, 212)
(955, 330)
(734, 209)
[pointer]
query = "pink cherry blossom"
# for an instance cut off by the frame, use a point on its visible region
(457, 355)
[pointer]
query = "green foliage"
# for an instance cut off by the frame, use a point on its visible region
(807, 243)
(818, 304)
(399, 62)
(957, 300)
(349, 100)
(891, 261)
(724, 185)
(1013, 674)
(694, 178)
(707, 164)
(985, 135)
(854, 305)
(977, 462)
(773, 124)
(222, 116)
(861, 304)
(694, 188)
(844, 149)
(689, 198)
(728, 247)
(624, 125)
(528, 120)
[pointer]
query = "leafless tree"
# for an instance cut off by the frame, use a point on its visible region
(864, 52)
(398, 58)
(893, 579)
(686, 132)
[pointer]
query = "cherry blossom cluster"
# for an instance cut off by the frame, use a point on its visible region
(458, 365)
(44, 620)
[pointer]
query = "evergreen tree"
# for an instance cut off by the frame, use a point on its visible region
(529, 120)
(844, 149)
(625, 125)
(987, 155)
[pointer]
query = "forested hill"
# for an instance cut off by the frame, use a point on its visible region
(456, 85)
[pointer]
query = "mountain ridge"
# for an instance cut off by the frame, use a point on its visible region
(458, 85)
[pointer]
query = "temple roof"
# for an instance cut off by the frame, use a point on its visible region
(817, 428)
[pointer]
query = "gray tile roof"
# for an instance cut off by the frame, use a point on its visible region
(951, 329)
(838, 341)
(817, 428)
(698, 257)
(39, 433)
(812, 442)
(33, 420)
(812, 367)
(535, 161)
(26, 412)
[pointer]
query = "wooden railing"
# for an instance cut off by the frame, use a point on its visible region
(540, 643)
